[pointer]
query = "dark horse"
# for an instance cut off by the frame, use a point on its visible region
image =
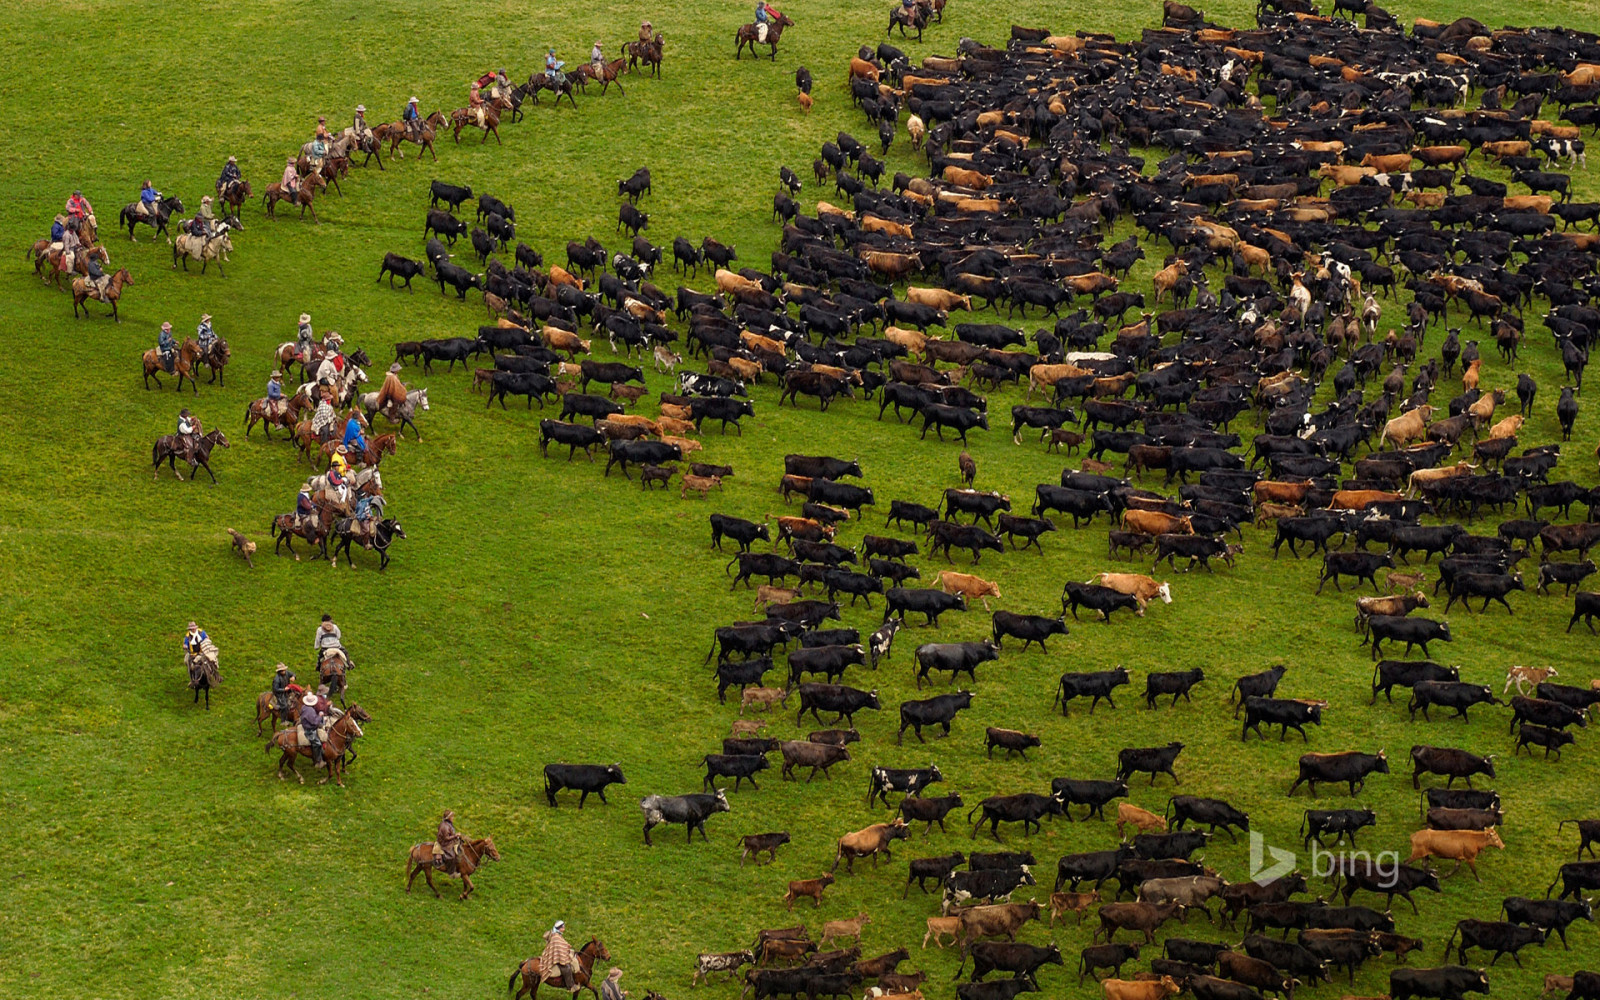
(542, 81)
(606, 75)
(383, 535)
(285, 530)
(748, 34)
(915, 18)
(234, 195)
(172, 447)
(582, 976)
(648, 53)
(203, 676)
(131, 216)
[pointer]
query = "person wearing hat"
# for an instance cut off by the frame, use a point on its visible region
(323, 419)
(354, 440)
(556, 961)
(149, 199)
(646, 33)
(339, 467)
(204, 335)
(597, 59)
(281, 683)
(229, 177)
(275, 403)
(304, 339)
(205, 220)
(319, 144)
(193, 639)
(612, 989)
(412, 119)
(188, 424)
(324, 703)
(310, 723)
(166, 347)
(327, 636)
(290, 181)
(359, 124)
(448, 842)
(392, 394)
(552, 69)
(475, 101)
(78, 206)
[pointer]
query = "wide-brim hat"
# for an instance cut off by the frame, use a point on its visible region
(205, 317)
(397, 368)
(283, 668)
(309, 699)
(205, 199)
(361, 107)
(276, 373)
(305, 317)
(166, 326)
(343, 450)
(233, 159)
(412, 101)
(321, 119)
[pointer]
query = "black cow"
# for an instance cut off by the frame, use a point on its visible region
(910, 780)
(1023, 961)
(840, 494)
(1291, 958)
(830, 661)
(530, 384)
(451, 349)
(744, 673)
(1154, 760)
(1449, 694)
(574, 404)
(1449, 763)
(1543, 712)
(1029, 628)
(446, 225)
(1092, 793)
(451, 194)
(1093, 866)
(1447, 982)
(397, 266)
(841, 699)
(928, 810)
(690, 810)
(1093, 685)
(1493, 935)
(820, 467)
(1201, 953)
(896, 572)
(1585, 605)
(574, 436)
(990, 885)
(721, 409)
(939, 869)
(1568, 574)
(1285, 713)
(1177, 683)
(1551, 914)
(1082, 505)
(1552, 740)
(1097, 598)
(458, 278)
(1361, 565)
(1318, 823)
(1207, 812)
(1413, 631)
(737, 528)
(1026, 808)
(929, 603)
(1028, 528)
(582, 778)
(949, 535)
(1259, 685)
(957, 418)
(739, 767)
(1351, 767)
(901, 511)
(1389, 674)
(893, 548)
(1000, 989)
(1489, 586)
(1165, 846)
(954, 658)
(854, 584)
(939, 710)
(975, 502)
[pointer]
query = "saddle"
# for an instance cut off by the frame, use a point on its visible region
(322, 734)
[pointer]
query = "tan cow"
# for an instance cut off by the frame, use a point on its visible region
(1143, 819)
(686, 446)
(1092, 283)
(1255, 258)
(893, 265)
(869, 843)
(938, 298)
(1425, 478)
(876, 224)
(913, 341)
(1129, 989)
(1042, 377)
(635, 420)
(1071, 902)
(1582, 75)
(938, 927)
(1482, 409)
(1507, 427)
(677, 412)
(1150, 522)
(1267, 513)
(1387, 163)
(1362, 499)
(1408, 427)
(998, 920)
(763, 696)
(974, 179)
(561, 276)
(1166, 280)
(967, 585)
(746, 370)
(729, 282)
(1539, 203)
(860, 69)
(558, 339)
(1523, 676)
(673, 425)
(851, 928)
(1469, 378)
(1440, 156)
(1461, 846)
(1507, 147)
(1344, 176)
(757, 342)
(916, 129)
(1142, 588)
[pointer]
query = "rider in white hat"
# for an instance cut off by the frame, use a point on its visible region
(310, 722)
(556, 961)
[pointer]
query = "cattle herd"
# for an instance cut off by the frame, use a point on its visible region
(1305, 177)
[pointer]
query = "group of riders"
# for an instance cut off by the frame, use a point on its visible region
(205, 337)
(316, 712)
(68, 238)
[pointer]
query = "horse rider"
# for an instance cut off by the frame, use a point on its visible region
(167, 349)
(612, 989)
(97, 279)
(557, 958)
(188, 424)
(323, 419)
(305, 511)
(310, 722)
(392, 394)
(281, 682)
(205, 220)
(646, 33)
(204, 335)
(354, 440)
(552, 69)
(597, 60)
(194, 639)
(275, 392)
(340, 462)
(337, 468)
(475, 102)
(327, 636)
(324, 703)
(290, 182)
(448, 841)
(763, 15)
(412, 118)
(359, 124)
(149, 200)
(230, 176)
(320, 143)
(78, 206)
(500, 85)
(304, 339)
(64, 237)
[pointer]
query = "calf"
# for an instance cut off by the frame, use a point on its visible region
(810, 887)
(1143, 819)
(396, 266)
(869, 843)
(753, 844)
(1010, 740)
(1071, 902)
(850, 928)
(582, 778)
(938, 869)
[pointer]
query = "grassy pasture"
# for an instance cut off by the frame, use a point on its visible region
(538, 611)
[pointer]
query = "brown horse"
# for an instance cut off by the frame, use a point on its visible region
(648, 53)
(80, 262)
(216, 359)
(113, 292)
(749, 33)
(383, 444)
(605, 76)
(466, 117)
(285, 530)
(543, 81)
(263, 411)
(532, 975)
(341, 735)
(394, 133)
(171, 447)
(235, 195)
(473, 854)
(332, 669)
(333, 168)
(266, 710)
(303, 197)
(183, 366)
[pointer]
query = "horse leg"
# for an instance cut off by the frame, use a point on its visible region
(466, 881)
(207, 466)
(427, 873)
(411, 871)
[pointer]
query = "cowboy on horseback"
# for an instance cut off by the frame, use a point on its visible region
(556, 961)
(499, 84)
(310, 723)
(205, 221)
(646, 32)
(78, 206)
(230, 176)
(354, 440)
(149, 200)
(282, 683)
(204, 336)
(597, 59)
(188, 423)
(194, 639)
(359, 124)
(412, 118)
(323, 419)
(327, 636)
(764, 15)
(167, 349)
(64, 238)
(392, 394)
(290, 182)
(319, 144)
(97, 280)
(475, 102)
(305, 511)
(304, 339)
(552, 69)
(274, 391)
(449, 843)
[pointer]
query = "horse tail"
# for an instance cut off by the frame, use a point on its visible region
(270, 744)
(514, 974)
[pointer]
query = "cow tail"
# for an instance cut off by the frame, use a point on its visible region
(970, 812)
(1303, 819)
(1451, 938)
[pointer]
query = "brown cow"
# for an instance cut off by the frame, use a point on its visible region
(561, 276)
(938, 298)
(850, 928)
(1267, 513)
(1344, 176)
(1093, 283)
(967, 585)
(974, 179)
(1440, 156)
(1046, 376)
(1150, 522)
(1143, 589)
(938, 927)
(869, 842)
(875, 224)
(1129, 989)
(1425, 478)
(763, 696)
(860, 69)
(811, 887)
(1408, 427)
(894, 265)
(1462, 846)
(1508, 147)
(1539, 203)
(728, 282)
(1141, 917)
(1166, 280)
(999, 920)
(912, 340)
(558, 339)
(767, 594)
(1389, 163)
(1143, 819)
(1273, 491)
(1071, 902)
(1362, 499)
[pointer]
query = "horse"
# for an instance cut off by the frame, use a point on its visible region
(302, 196)
(203, 675)
(113, 291)
(344, 731)
(606, 75)
(463, 117)
(394, 133)
(190, 246)
(371, 455)
(43, 255)
(267, 709)
(915, 17)
(285, 529)
(404, 415)
(383, 535)
(171, 447)
(216, 359)
(183, 366)
(473, 853)
(234, 194)
(532, 975)
(648, 53)
(748, 33)
(369, 144)
(542, 81)
(268, 416)
(333, 167)
(331, 668)
(132, 216)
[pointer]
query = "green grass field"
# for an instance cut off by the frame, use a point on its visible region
(537, 611)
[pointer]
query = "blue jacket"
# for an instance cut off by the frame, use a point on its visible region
(149, 196)
(310, 718)
(192, 643)
(352, 433)
(409, 113)
(57, 231)
(274, 389)
(165, 342)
